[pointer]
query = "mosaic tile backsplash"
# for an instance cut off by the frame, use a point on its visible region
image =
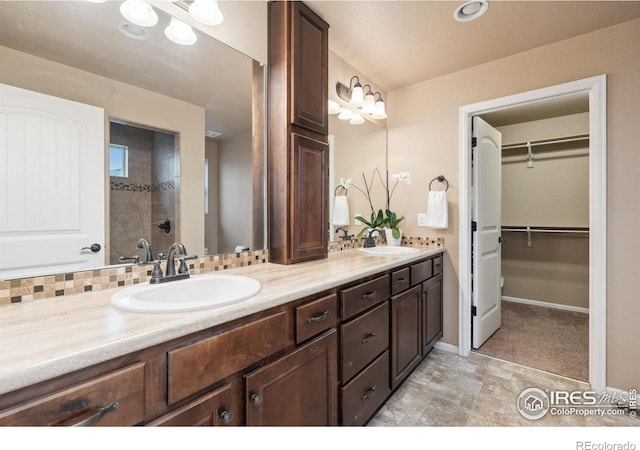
(49, 286)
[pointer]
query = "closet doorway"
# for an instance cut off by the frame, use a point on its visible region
(593, 89)
(544, 201)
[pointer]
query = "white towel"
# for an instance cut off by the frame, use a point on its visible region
(437, 210)
(341, 210)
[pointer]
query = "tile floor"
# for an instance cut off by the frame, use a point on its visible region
(450, 390)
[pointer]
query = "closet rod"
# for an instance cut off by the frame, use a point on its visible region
(536, 143)
(548, 230)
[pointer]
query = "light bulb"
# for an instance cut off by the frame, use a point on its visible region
(180, 33)
(139, 12)
(206, 12)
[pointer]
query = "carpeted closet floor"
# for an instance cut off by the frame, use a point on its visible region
(552, 340)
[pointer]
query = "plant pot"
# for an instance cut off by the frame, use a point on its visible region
(390, 239)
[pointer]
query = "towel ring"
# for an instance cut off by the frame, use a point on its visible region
(340, 187)
(441, 179)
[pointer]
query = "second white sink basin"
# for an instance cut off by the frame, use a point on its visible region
(192, 294)
(389, 250)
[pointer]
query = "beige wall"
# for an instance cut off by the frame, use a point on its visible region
(423, 132)
(132, 104)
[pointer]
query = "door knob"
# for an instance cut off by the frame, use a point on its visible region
(95, 248)
(256, 400)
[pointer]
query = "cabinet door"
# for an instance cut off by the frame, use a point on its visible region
(300, 388)
(213, 409)
(310, 72)
(309, 179)
(405, 334)
(431, 312)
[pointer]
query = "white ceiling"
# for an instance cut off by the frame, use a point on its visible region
(399, 43)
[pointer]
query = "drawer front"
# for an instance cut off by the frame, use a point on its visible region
(363, 296)
(366, 392)
(421, 272)
(315, 317)
(363, 339)
(437, 265)
(400, 280)
(203, 363)
(115, 399)
(213, 409)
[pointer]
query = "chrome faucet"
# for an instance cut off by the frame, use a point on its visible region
(144, 245)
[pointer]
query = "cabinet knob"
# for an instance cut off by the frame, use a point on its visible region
(256, 400)
(369, 337)
(370, 393)
(226, 417)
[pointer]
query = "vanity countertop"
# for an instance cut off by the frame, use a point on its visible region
(42, 339)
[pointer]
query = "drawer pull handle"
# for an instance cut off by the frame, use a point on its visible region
(369, 337)
(369, 295)
(226, 417)
(98, 415)
(256, 400)
(401, 281)
(319, 317)
(370, 393)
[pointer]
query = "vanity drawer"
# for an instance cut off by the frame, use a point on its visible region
(114, 399)
(421, 272)
(363, 296)
(195, 366)
(315, 317)
(400, 280)
(363, 339)
(437, 265)
(366, 392)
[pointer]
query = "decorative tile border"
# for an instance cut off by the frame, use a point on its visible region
(50, 286)
(134, 187)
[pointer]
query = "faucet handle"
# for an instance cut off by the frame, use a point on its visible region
(183, 265)
(134, 258)
(156, 272)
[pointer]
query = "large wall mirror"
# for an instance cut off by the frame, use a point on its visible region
(355, 150)
(181, 119)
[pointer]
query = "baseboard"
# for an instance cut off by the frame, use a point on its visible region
(545, 304)
(446, 347)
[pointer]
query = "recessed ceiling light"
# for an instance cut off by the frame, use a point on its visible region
(212, 134)
(134, 31)
(470, 10)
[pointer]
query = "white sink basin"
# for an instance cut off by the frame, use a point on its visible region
(192, 294)
(389, 250)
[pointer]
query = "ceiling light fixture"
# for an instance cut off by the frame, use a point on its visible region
(206, 12)
(470, 10)
(180, 33)
(139, 12)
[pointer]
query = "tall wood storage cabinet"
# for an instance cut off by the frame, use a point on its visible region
(298, 153)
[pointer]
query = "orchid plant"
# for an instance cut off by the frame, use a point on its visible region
(379, 218)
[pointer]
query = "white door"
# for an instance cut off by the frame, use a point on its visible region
(51, 184)
(486, 239)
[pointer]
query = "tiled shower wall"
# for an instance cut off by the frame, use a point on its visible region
(146, 198)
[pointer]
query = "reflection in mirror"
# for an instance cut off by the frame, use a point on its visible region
(354, 150)
(76, 51)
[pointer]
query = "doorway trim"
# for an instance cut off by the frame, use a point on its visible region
(595, 87)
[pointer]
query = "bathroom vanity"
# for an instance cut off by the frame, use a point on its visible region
(324, 343)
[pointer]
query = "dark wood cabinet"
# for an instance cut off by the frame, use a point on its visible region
(299, 388)
(297, 133)
(431, 312)
(406, 326)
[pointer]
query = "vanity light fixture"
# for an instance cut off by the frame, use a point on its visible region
(139, 12)
(206, 12)
(334, 107)
(470, 10)
(345, 114)
(365, 98)
(356, 119)
(180, 33)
